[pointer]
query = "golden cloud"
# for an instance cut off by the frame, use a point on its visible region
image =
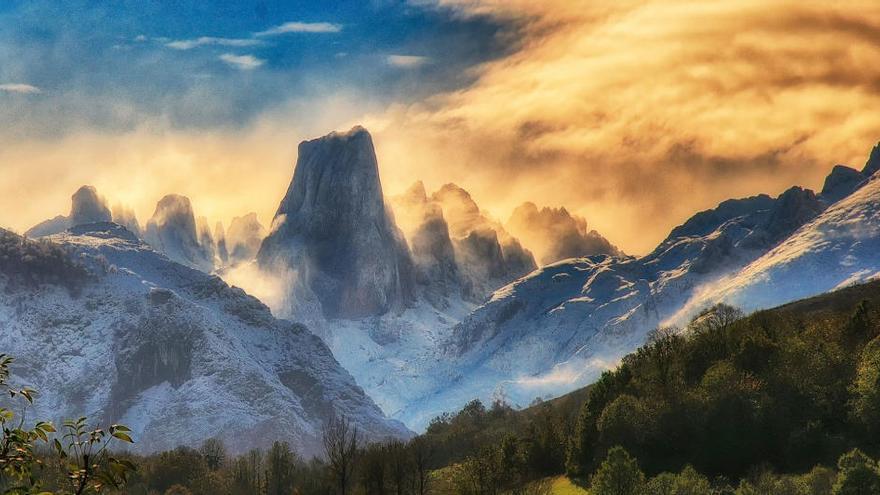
(633, 114)
(636, 114)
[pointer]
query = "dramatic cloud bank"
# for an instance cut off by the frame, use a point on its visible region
(635, 114)
(632, 114)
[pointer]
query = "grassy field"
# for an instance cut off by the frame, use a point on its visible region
(561, 485)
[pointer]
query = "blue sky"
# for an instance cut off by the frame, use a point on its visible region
(112, 65)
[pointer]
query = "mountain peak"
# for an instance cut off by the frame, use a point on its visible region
(873, 163)
(333, 220)
(87, 207)
(172, 231)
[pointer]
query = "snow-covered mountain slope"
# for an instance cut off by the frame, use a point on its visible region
(104, 326)
(559, 327)
(839, 248)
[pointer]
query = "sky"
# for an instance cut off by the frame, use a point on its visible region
(633, 114)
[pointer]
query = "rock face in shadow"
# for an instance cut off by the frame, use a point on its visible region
(220, 237)
(244, 237)
(86, 206)
(457, 249)
(333, 230)
(172, 231)
(437, 272)
(488, 256)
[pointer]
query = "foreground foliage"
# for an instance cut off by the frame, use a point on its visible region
(78, 463)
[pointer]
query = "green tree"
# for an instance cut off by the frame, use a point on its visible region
(619, 474)
(624, 422)
(281, 462)
(690, 482)
(866, 388)
(214, 453)
(662, 484)
(860, 327)
(819, 481)
(857, 475)
(82, 451)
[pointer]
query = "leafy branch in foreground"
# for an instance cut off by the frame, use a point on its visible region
(81, 451)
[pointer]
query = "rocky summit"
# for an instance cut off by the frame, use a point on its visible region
(172, 231)
(332, 231)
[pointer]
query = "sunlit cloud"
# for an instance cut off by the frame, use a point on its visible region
(20, 88)
(631, 114)
(242, 62)
(301, 27)
(406, 61)
(211, 41)
(636, 114)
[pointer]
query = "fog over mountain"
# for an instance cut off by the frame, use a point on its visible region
(86, 206)
(172, 231)
(243, 238)
(555, 234)
(429, 302)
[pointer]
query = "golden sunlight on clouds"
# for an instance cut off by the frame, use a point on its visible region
(631, 114)
(224, 174)
(638, 114)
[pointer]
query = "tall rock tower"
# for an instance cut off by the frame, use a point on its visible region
(334, 233)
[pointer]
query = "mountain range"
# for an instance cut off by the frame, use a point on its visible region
(426, 300)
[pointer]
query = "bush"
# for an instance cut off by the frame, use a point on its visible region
(619, 474)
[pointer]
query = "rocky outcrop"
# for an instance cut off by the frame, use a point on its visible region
(244, 237)
(172, 231)
(220, 237)
(456, 248)
(873, 164)
(489, 257)
(554, 234)
(437, 272)
(206, 239)
(125, 216)
(332, 230)
(86, 206)
(841, 182)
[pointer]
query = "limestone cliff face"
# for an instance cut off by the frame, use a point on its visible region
(88, 207)
(244, 237)
(488, 256)
(172, 231)
(433, 255)
(333, 231)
